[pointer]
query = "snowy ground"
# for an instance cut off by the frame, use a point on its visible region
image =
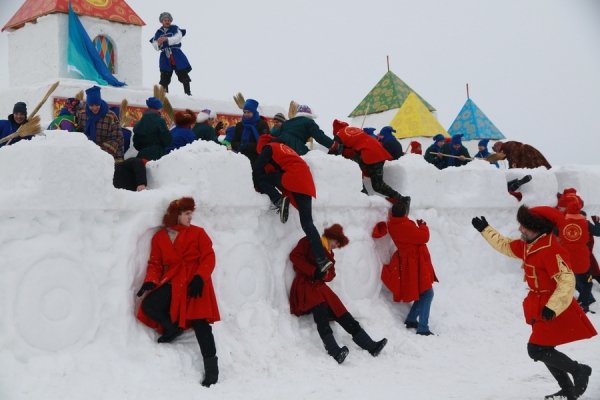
(73, 253)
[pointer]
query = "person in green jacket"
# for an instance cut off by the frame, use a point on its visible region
(295, 132)
(151, 136)
(203, 128)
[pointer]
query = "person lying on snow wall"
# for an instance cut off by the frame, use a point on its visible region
(310, 294)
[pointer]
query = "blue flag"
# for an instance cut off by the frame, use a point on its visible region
(82, 56)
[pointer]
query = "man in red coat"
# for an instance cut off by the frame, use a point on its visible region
(355, 144)
(550, 309)
(410, 274)
(284, 176)
(310, 294)
(178, 279)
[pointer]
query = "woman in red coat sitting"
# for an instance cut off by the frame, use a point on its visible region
(310, 294)
(410, 274)
(178, 280)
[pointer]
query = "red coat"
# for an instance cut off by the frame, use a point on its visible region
(410, 271)
(369, 148)
(574, 235)
(306, 292)
(542, 261)
(176, 263)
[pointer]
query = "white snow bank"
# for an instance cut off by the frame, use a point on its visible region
(74, 249)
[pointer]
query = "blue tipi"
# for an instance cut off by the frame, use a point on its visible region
(473, 124)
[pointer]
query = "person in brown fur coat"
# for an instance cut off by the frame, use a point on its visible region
(519, 155)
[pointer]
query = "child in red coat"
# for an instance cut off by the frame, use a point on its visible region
(310, 294)
(410, 274)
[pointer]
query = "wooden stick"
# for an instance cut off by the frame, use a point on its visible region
(451, 156)
(41, 103)
(365, 116)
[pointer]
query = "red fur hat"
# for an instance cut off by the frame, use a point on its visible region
(176, 207)
(336, 232)
(185, 118)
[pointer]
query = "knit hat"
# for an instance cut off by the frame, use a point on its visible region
(483, 142)
(279, 117)
(387, 130)
(203, 116)
(154, 103)
(439, 137)
(540, 219)
(305, 111)
(251, 105)
(415, 147)
(338, 125)
(336, 232)
(574, 205)
(177, 207)
(185, 118)
(211, 114)
(93, 96)
(369, 131)
(164, 15)
(20, 107)
(457, 139)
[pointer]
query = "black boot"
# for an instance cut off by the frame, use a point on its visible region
(170, 334)
(566, 386)
(365, 342)
(338, 354)
(186, 88)
(211, 371)
(581, 378)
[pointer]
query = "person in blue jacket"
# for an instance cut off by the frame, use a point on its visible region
(483, 151)
(13, 122)
(182, 134)
(390, 143)
(167, 40)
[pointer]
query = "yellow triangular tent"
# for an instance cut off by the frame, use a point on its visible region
(414, 119)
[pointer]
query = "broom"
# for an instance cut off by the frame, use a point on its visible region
(34, 128)
(123, 114)
(30, 128)
(159, 93)
(293, 110)
(239, 100)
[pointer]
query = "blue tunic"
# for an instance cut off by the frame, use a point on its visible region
(170, 54)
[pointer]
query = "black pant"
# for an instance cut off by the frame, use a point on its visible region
(156, 305)
(267, 184)
(304, 203)
(182, 75)
(583, 284)
(322, 314)
(559, 364)
(375, 171)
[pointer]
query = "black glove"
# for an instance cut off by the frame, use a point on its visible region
(195, 286)
(318, 275)
(480, 223)
(145, 287)
(548, 314)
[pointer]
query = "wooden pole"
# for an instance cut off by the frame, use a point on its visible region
(468, 91)
(388, 62)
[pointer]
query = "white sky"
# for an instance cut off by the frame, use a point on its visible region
(532, 66)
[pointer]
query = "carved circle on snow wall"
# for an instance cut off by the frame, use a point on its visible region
(55, 305)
